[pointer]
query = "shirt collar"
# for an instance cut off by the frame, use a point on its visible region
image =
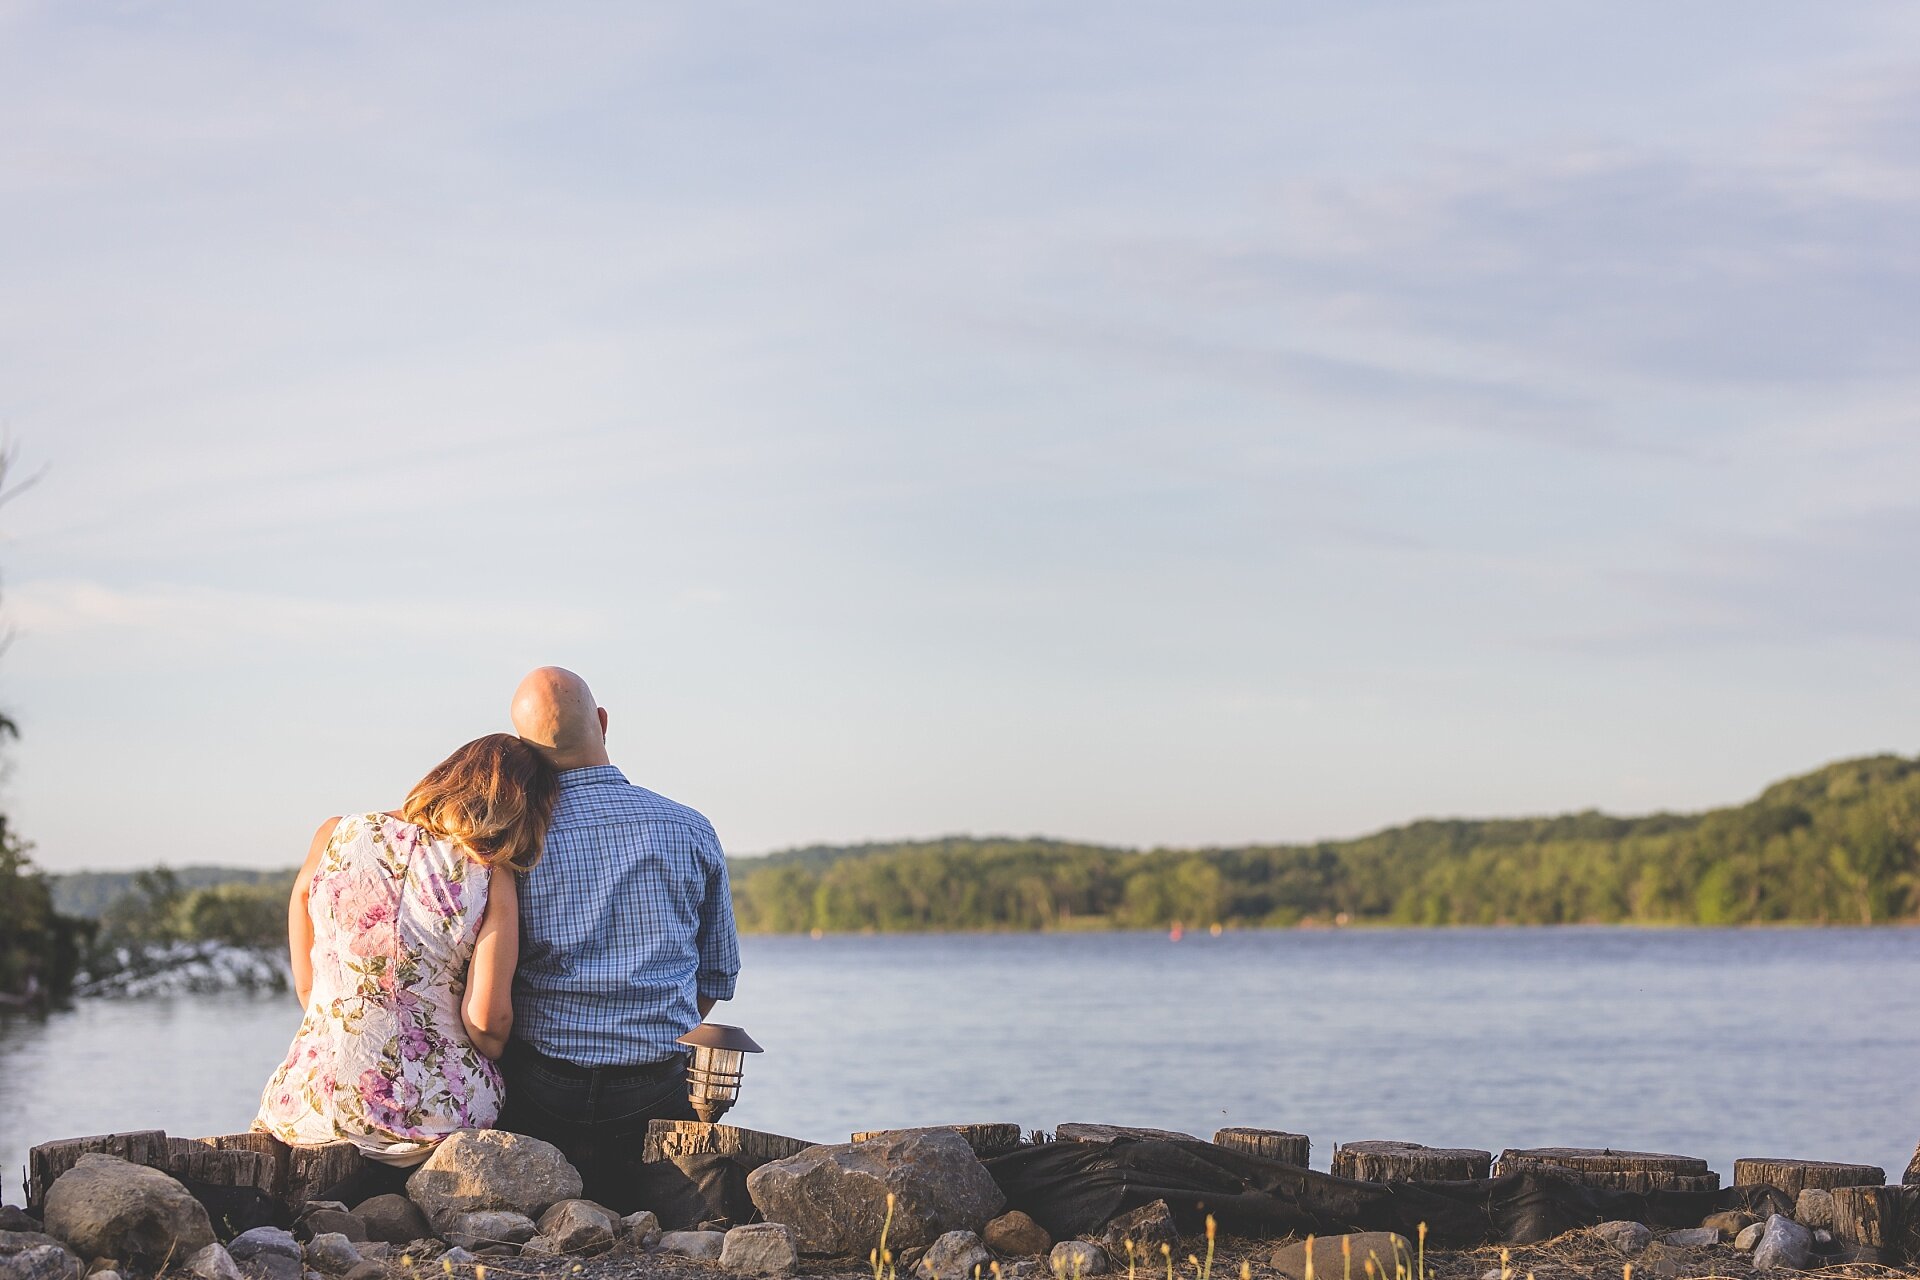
(595, 775)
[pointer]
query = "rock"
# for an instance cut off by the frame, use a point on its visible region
(1015, 1235)
(1785, 1244)
(50, 1262)
(642, 1229)
(1664, 1260)
(1149, 1227)
(332, 1254)
(475, 1170)
(458, 1257)
(17, 1219)
(540, 1247)
(760, 1249)
(1749, 1238)
(489, 1227)
(704, 1245)
(1729, 1222)
(1386, 1248)
(835, 1197)
(251, 1244)
(99, 1265)
(1692, 1238)
(1625, 1237)
(368, 1270)
(953, 1256)
(580, 1227)
(907, 1259)
(1072, 1258)
(104, 1207)
(12, 1242)
(392, 1218)
(214, 1263)
(320, 1222)
(1814, 1208)
(1823, 1236)
(272, 1266)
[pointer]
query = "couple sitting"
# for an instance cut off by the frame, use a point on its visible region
(519, 946)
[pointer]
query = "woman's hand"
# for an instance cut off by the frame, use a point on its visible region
(487, 1009)
(300, 918)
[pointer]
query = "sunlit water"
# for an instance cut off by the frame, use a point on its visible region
(1718, 1044)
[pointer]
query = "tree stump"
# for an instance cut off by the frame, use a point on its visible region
(1407, 1162)
(191, 1158)
(312, 1170)
(1109, 1132)
(46, 1162)
(985, 1139)
(1795, 1176)
(1639, 1171)
(1869, 1220)
(1287, 1148)
(669, 1138)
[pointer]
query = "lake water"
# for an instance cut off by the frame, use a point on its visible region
(1720, 1044)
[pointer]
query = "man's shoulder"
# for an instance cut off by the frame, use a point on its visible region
(628, 802)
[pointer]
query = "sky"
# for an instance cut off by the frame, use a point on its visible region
(1157, 425)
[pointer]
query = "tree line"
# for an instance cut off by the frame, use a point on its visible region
(1838, 845)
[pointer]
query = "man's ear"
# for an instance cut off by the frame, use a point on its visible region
(603, 723)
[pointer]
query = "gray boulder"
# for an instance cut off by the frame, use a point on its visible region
(1784, 1246)
(272, 1266)
(540, 1247)
(43, 1262)
(1623, 1236)
(580, 1227)
(1386, 1249)
(953, 1257)
(249, 1245)
(12, 1242)
(1692, 1238)
(1074, 1258)
(1149, 1227)
(475, 1170)
(330, 1221)
(835, 1197)
(642, 1229)
(1015, 1235)
(704, 1245)
(1749, 1238)
(490, 1227)
(104, 1207)
(1814, 1208)
(392, 1218)
(760, 1249)
(214, 1263)
(331, 1253)
(458, 1257)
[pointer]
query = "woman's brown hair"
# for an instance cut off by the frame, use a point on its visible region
(493, 797)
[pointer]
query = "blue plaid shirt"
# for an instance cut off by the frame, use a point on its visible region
(623, 922)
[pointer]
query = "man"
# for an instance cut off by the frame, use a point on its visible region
(626, 942)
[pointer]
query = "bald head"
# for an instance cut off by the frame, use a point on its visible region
(554, 710)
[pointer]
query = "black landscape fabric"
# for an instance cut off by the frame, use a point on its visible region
(1073, 1188)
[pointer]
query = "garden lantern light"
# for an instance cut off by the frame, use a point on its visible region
(713, 1073)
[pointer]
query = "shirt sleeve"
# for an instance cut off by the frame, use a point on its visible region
(719, 945)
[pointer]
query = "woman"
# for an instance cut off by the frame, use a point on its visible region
(405, 929)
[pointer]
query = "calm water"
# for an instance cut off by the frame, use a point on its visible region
(1718, 1044)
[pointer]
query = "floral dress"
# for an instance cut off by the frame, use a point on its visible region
(382, 1057)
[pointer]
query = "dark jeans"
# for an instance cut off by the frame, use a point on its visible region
(597, 1116)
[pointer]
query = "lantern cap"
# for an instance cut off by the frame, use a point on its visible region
(718, 1035)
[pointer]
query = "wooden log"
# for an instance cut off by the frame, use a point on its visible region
(1795, 1176)
(46, 1162)
(669, 1138)
(1112, 1132)
(1639, 1171)
(1867, 1222)
(1287, 1148)
(312, 1170)
(264, 1143)
(190, 1158)
(985, 1139)
(1408, 1162)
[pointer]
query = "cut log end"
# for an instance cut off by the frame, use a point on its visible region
(1272, 1144)
(1795, 1176)
(1408, 1162)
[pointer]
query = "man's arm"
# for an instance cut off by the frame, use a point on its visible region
(719, 946)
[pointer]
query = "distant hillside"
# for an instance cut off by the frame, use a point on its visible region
(1838, 845)
(90, 893)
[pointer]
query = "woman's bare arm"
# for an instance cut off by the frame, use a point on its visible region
(487, 1010)
(299, 921)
